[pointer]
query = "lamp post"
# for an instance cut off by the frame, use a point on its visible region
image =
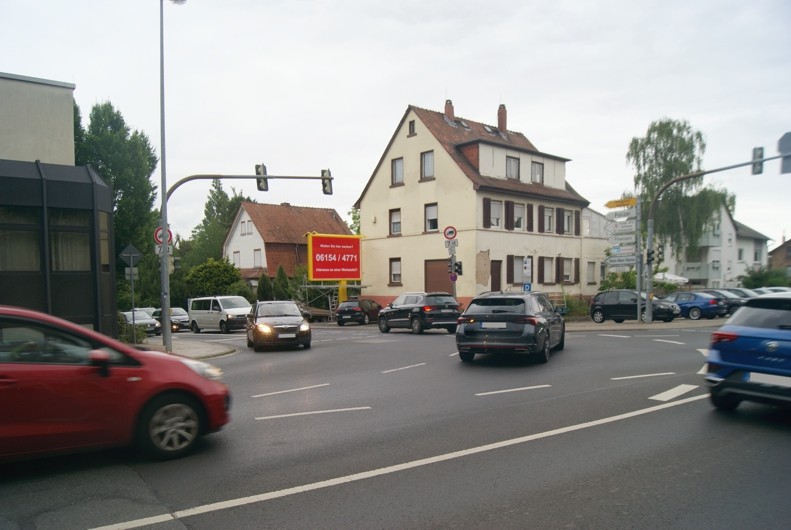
(164, 254)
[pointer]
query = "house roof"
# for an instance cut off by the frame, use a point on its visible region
(782, 245)
(454, 134)
(743, 230)
(284, 223)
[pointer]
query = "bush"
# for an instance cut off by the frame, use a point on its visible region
(127, 334)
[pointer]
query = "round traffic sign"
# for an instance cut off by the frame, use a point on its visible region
(158, 236)
(449, 232)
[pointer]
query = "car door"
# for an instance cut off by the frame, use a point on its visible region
(403, 311)
(53, 398)
(627, 305)
(553, 318)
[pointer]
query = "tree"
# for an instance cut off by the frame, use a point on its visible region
(764, 277)
(670, 149)
(212, 278)
(354, 214)
(265, 289)
(281, 285)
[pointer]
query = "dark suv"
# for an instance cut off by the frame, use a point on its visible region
(621, 304)
(420, 311)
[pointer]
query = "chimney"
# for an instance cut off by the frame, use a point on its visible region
(449, 110)
(501, 119)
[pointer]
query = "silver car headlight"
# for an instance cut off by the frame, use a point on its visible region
(209, 371)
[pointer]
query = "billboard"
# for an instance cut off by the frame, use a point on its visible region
(333, 257)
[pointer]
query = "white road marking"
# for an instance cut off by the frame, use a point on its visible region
(454, 353)
(364, 475)
(403, 368)
(616, 336)
(312, 413)
(673, 393)
(291, 390)
(512, 390)
(669, 341)
(704, 351)
(705, 369)
(639, 376)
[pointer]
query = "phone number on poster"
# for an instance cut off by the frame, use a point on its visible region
(341, 258)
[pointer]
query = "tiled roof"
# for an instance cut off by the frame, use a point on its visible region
(284, 223)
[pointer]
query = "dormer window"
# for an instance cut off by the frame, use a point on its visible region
(512, 167)
(537, 173)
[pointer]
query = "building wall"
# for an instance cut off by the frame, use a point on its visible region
(245, 239)
(36, 120)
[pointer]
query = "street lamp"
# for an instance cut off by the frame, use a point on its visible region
(163, 261)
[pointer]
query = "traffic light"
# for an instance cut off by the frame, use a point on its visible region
(758, 154)
(649, 256)
(262, 181)
(326, 182)
(660, 253)
(457, 268)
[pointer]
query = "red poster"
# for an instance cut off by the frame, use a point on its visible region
(333, 257)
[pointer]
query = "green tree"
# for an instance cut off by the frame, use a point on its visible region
(281, 285)
(265, 289)
(672, 148)
(354, 214)
(764, 277)
(212, 278)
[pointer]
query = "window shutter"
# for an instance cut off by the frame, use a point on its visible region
(558, 270)
(559, 219)
(529, 217)
(487, 212)
(577, 268)
(509, 269)
(509, 215)
(540, 268)
(576, 222)
(541, 218)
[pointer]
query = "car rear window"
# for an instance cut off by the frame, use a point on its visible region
(441, 300)
(485, 306)
(764, 313)
(348, 305)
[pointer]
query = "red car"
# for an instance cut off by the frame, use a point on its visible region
(65, 388)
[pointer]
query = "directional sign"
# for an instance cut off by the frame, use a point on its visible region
(622, 203)
(622, 239)
(621, 260)
(623, 249)
(625, 226)
(628, 213)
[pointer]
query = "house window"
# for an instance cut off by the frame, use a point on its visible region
(432, 220)
(602, 270)
(427, 165)
(236, 259)
(548, 270)
(249, 227)
(757, 256)
(496, 214)
(20, 238)
(591, 272)
(549, 216)
(512, 167)
(242, 229)
(567, 265)
(519, 216)
(411, 127)
(395, 222)
(568, 218)
(395, 271)
(519, 270)
(537, 172)
(257, 257)
(70, 241)
(397, 172)
(586, 226)
(741, 254)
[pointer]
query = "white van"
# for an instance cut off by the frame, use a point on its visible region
(218, 312)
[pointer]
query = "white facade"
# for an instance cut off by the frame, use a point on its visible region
(244, 246)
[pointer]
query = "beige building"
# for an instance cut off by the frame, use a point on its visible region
(517, 222)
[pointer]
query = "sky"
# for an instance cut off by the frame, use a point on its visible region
(306, 85)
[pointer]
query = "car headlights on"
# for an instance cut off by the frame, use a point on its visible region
(263, 328)
(304, 326)
(209, 371)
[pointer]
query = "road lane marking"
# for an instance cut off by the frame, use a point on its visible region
(704, 351)
(352, 409)
(512, 390)
(639, 376)
(403, 368)
(669, 341)
(705, 369)
(616, 336)
(291, 390)
(364, 475)
(673, 393)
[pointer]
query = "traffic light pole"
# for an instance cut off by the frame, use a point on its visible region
(650, 238)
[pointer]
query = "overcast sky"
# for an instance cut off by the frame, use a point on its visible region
(306, 85)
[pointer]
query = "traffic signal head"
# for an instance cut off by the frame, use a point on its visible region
(326, 182)
(758, 164)
(660, 253)
(649, 256)
(261, 181)
(457, 268)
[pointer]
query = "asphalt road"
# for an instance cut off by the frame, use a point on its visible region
(371, 430)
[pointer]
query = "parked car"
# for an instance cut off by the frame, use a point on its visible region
(732, 301)
(778, 289)
(762, 290)
(149, 310)
(141, 318)
(420, 311)
(179, 319)
(69, 389)
(277, 323)
(695, 305)
(360, 311)
(511, 322)
(742, 291)
(749, 357)
(621, 304)
(224, 313)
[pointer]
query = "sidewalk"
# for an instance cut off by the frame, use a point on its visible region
(206, 350)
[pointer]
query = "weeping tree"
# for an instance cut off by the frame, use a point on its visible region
(684, 212)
